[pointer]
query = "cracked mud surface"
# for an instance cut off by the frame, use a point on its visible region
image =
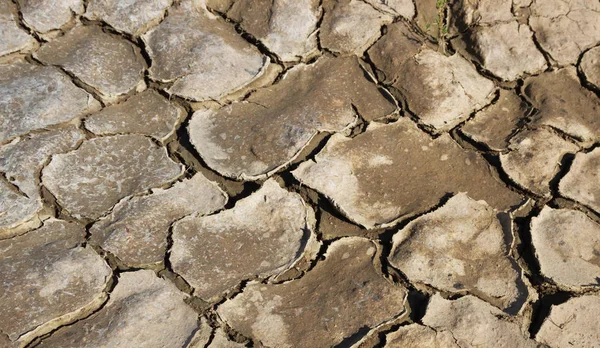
(280, 173)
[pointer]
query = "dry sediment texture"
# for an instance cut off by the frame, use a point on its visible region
(109, 64)
(48, 279)
(21, 162)
(460, 248)
(13, 38)
(212, 59)
(34, 97)
(494, 125)
(341, 295)
(572, 323)
(143, 311)
(137, 228)
(262, 236)
(396, 170)
(442, 91)
(159, 117)
(256, 137)
(581, 182)
(299, 173)
(567, 244)
(92, 179)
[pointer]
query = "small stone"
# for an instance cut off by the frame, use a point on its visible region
(262, 236)
(146, 113)
(136, 230)
(507, 50)
(46, 15)
(48, 280)
(572, 324)
(581, 182)
(35, 97)
(404, 8)
(475, 323)
(407, 173)
(143, 311)
(339, 296)
(441, 91)
(567, 246)
(132, 17)
(220, 340)
(459, 248)
(21, 162)
(257, 137)
(286, 27)
(590, 65)
(106, 62)
(534, 159)
(92, 179)
(564, 104)
(565, 28)
(494, 125)
(213, 60)
(14, 39)
(351, 26)
(419, 336)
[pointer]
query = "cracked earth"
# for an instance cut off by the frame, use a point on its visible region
(299, 173)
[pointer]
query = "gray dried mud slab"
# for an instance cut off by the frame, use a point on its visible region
(18, 213)
(21, 162)
(46, 15)
(48, 280)
(143, 311)
(581, 182)
(404, 8)
(460, 248)
(564, 104)
(14, 39)
(339, 296)
(590, 65)
(132, 17)
(475, 323)
(494, 125)
(287, 28)
(92, 179)
(419, 336)
(441, 91)
(146, 113)
(111, 65)
(213, 60)
(35, 97)
(507, 50)
(396, 170)
(564, 29)
(572, 324)
(263, 235)
(257, 137)
(534, 158)
(567, 246)
(136, 230)
(351, 26)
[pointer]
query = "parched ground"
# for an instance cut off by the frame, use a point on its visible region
(299, 173)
